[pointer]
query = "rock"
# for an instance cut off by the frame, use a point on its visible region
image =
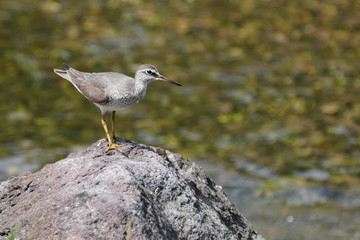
(143, 193)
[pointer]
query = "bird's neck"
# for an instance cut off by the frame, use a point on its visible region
(140, 88)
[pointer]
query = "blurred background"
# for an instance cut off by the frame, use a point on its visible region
(269, 107)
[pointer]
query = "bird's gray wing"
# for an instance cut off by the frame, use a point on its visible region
(101, 87)
(92, 92)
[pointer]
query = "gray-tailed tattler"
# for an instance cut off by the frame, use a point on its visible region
(112, 91)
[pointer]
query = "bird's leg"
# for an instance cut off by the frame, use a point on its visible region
(103, 122)
(112, 124)
(112, 145)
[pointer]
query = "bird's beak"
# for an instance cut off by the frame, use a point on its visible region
(162, 78)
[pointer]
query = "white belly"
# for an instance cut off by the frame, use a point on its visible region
(109, 108)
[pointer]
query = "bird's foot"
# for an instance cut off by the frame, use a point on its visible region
(115, 146)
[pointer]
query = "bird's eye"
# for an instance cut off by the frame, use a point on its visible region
(149, 72)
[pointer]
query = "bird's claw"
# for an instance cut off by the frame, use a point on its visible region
(115, 146)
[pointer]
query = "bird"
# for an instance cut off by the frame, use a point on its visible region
(112, 91)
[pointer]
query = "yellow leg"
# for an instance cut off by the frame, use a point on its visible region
(112, 145)
(112, 124)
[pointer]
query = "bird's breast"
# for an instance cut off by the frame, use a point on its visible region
(127, 100)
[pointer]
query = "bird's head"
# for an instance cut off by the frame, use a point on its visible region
(148, 73)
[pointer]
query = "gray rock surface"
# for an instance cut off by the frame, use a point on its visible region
(146, 193)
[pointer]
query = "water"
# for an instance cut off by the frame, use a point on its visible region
(269, 104)
(286, 208)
